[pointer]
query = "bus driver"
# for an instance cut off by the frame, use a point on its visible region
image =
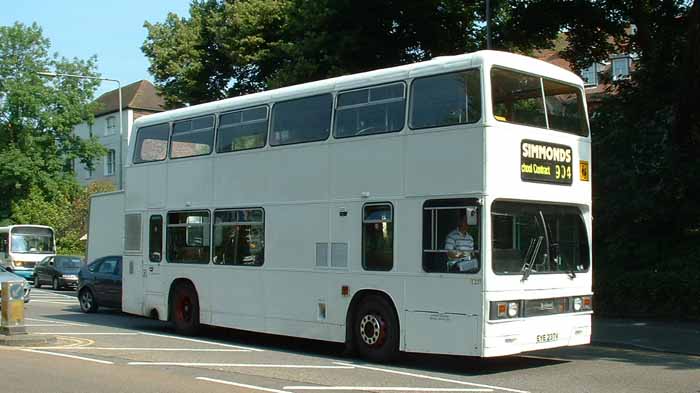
(460, 245)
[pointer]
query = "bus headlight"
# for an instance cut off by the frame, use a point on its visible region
(582, 303)
(578, 303)
(505, 310)
(512, 309)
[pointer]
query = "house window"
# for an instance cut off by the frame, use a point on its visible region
(109, 163)
(111, 126)
(621, 68)
(590, 75)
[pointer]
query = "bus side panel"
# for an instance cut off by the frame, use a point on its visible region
(443, 314)
(106, 225)
(375, 168)
(445, 162)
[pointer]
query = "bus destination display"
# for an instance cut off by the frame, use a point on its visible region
(545, 162)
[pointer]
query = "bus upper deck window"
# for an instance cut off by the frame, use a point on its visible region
(517, 98)
(446, 99)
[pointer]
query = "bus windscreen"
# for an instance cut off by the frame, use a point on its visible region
(32, 240)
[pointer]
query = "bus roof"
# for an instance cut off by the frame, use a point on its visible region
(11, 227)
(437, 65)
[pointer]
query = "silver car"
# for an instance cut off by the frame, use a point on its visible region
(7, 276)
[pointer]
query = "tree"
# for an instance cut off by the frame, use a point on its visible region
(37, 116)
(227, 48)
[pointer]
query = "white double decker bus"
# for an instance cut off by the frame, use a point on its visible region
(438, 207)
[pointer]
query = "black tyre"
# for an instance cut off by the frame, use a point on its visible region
(376, 329)
(37, 284)
(185, 309)
(55, 285)
(88, 304)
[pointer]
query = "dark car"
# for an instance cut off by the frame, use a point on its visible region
(59, 271)
(100, 284)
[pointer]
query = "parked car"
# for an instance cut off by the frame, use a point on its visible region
(100, 284)
(60, 271)
(7, 276)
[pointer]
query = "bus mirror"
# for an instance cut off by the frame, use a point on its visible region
(471, 216)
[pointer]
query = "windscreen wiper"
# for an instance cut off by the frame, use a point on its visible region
(530, 256)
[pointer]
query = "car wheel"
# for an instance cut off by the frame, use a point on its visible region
(37, 284)
(88, 304)
(376, 329)
(185, 310)
(54, 284)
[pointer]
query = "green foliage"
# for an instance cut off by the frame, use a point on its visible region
(67, 213)
(226, 48)
(37, 116)
(650, 294)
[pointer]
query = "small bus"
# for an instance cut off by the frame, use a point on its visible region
(23, 246)
(439, 207)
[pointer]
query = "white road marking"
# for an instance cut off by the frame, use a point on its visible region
(41, 325)
(61, 303)
(46, 293)
(56, 322)
(68, 356)
(149, 349)
(249, 365)
(88, 334)
(385, 370)
(202, 341)
(385, 389)
(241, 385)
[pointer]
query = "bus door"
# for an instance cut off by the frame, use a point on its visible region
(154, 258)
(132, 263)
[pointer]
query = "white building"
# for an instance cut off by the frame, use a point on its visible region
(138, 99)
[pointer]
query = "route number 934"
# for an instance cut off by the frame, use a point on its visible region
(562, 171)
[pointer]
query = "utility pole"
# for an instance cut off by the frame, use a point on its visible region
(488, 24)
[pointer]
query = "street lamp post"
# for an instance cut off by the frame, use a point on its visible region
(121, 128)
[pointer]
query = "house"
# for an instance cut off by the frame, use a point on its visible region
(598, 76)
(138, 99)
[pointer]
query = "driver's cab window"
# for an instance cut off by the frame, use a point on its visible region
(451, 236)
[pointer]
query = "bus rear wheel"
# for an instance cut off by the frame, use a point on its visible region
(185, 310)
(376, 330)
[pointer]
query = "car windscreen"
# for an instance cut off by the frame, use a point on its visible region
(72, 263)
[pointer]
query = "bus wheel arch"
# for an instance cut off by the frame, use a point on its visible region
(183, 306)
(373, 326)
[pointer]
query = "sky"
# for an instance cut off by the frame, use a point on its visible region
(112, 30)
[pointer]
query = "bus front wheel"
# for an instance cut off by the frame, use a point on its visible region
(185, 310)
(376, 330)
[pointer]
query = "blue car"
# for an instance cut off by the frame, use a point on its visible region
(7, 276)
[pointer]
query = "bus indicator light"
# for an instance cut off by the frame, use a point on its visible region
(345, 290)
(583, 170)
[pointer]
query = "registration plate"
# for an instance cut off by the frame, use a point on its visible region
(548, 337)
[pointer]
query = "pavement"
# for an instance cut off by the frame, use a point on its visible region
(661, 336)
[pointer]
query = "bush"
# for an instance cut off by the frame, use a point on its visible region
(649, 294)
